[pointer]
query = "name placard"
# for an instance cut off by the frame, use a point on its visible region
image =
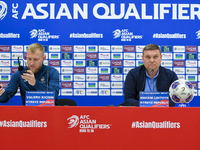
(154, 99)
(40, 98)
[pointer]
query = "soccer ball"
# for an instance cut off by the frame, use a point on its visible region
(181, 91)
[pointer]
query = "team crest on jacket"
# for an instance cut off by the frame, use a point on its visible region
(42, 79)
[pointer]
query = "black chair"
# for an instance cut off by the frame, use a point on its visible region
(66, 102)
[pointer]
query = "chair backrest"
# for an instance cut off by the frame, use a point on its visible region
(66, 102)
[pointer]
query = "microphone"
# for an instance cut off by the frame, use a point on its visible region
(47, 78)
(21, 68)
(152, 71)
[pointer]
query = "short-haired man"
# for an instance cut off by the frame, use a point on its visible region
(35, 79)
(148, 77)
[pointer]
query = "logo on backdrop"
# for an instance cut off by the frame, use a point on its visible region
(125, 35)
(86, 124)
(3, 9)
(198, 34)
(42, 35)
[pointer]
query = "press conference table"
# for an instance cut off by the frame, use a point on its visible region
(103, 128)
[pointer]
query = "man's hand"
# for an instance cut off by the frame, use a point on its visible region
(29, 76)
(1, 89)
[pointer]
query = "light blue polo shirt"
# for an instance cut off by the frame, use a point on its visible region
(149, 82)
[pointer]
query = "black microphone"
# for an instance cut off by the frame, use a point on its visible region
(20, 68)
(152, 71)
(47, 78)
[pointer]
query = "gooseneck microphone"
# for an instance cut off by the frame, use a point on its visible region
(152, 71)
(20, 68)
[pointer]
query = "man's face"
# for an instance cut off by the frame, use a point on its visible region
(35, 60)
(152, 59)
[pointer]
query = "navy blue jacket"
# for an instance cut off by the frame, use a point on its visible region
(40, 85)
(135, 82)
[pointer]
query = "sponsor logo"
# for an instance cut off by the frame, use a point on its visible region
(91, 48)
(191, 70)
(139, 63)
(14, 69)
(79, 62)
(116, 70)
(79, 92)
(129, 63)
(91, 63)
(116, 77)
(79, 48)
(66, 77)
(104, 62)
(117, 92)
(42, 35)
(104, 84)
(179, 63)
(66, 63)
(194, 85)
(68, 92)
(116, 48)
(116, 63)
(104, 55)
(129, 48)
(104, 70)
(79, 55)
(54, 62)
(104, 92)
(4, 70)
(166, 55)
(116, 56)
(191, 77)
(3, 9)
(5, 77)
(139, 48)
(86, 124)
(54, 55)
(191, 56)
(104, 48)
(4, 48)
(166, 63)
(91, 56)
(104, 77)
(79, 70)
(116, 84)
(179, 56)
(191, 48)
(16, 55)
(191, 63)
(169, 36)
(79, 77)
(66, 85)
(181, 76)
(79, 84)
(129, 55)
(67, 48)
(17, 48)
(179, 70)
(54, 48)
(91, 70)
(67, 56)
(126, 70)
(166, 49)
(125, 35)
(179, 48)
(91, 84)
(5, 63)
(91, 92)
(4, 55)
(66, 70)
(198, 70)
(86, 35)
(9, 35)
(139, 55)
(91, 77)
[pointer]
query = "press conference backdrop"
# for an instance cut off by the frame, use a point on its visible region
(94, 44)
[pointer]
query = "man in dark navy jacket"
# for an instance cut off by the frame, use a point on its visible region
(148, 77)
(35, 79)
